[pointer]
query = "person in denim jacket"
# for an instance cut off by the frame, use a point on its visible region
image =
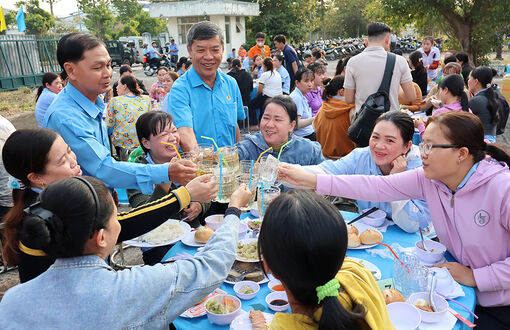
(276, 128)
(390, 151)
(81, 290)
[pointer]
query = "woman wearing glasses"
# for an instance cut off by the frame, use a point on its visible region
(469, 198)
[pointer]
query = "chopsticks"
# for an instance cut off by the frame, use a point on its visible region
(462, 318)
(372, 210)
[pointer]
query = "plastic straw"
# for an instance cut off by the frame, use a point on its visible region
(251, 174)
(221, 174)
(281, 148)
(217, 148)
(178, 155)
(408, 270)
(263, 152)
(262, 195)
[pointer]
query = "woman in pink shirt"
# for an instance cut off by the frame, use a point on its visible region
(469, 200)
(452, 96)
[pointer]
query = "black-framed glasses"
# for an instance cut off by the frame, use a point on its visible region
(426, 148)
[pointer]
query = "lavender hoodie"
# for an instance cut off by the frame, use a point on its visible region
(455, 106)
(474, 224)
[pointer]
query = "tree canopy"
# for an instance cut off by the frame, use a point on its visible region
(37, 20)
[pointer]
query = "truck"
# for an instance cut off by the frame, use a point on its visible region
(119, 54)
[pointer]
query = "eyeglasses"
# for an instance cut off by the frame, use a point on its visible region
(426, 148)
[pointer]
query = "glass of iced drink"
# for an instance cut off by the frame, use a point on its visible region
(265, 196)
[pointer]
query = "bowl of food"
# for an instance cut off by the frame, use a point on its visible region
(404, 315)
(246, 290)
(277, 301)
(222, 309)
(215, 221)
(375, 219)
(421, 301)
(275, 286)
(434, 254)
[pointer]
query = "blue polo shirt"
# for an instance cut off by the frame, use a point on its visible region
(152, 52)
(174, 49)
(80, 123)
(210, 112)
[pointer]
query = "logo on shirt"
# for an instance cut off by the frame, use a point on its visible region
(482, 218)
(228, 98)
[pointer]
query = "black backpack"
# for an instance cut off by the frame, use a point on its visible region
(503, 110)
(375, 105)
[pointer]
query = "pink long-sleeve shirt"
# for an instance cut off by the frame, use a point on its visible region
(473, 223)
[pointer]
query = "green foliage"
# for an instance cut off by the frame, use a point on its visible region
(99, 19)
(37, 20)
(288, 17)
(153, 25)
(345, 19)
(10, 19)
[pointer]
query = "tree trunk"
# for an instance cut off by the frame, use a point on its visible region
(499, 52)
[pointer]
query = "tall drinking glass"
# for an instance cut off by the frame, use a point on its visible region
(230, 158)
(244, 177)
(228, 183)
(265, 197)
(414, 278)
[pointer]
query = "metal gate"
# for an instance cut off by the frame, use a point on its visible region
(24, 60)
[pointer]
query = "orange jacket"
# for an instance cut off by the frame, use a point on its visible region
(255, 50)
(331, 125)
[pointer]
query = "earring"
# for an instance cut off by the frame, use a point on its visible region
(458, 161)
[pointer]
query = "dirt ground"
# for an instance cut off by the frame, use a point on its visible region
(26, 119)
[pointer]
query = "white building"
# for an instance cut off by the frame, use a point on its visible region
(229, 15)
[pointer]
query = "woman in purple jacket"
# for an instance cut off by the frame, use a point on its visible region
(469, 199)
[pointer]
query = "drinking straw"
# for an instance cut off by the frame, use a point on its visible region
(408, 270)
(221, 174)
(263, 152)
(217, 148)
(281, 148)
(458, 303)
(178, 155)
(262, 195)
(251, 173)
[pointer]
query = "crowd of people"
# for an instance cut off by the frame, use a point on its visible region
(455, 182)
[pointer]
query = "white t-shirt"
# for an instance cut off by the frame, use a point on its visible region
(272, 83)
(434, 55)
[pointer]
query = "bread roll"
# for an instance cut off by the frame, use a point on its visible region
(203, 234)
(370, 236)
(392, 295)
(352, 230)
(353, 240)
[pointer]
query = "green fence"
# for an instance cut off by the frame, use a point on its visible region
(24, 60)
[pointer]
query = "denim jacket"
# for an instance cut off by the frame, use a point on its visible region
(299, 151)
(409, 215)
(85, 293)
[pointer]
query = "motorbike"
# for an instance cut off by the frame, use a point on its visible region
(152, 68)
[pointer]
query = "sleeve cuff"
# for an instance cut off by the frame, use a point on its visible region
(233, 210)
(323, 185)
(183, 196)
(483, 278)
(160, 173)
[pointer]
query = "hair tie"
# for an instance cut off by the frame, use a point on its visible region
(16, 184)
(329, 289)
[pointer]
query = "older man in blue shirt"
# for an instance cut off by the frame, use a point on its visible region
(77, 115)
(205, 101)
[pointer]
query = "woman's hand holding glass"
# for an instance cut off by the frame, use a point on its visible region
(240, 197)
(202, 188)
(295, 176)
(181, 171)
(398, 165)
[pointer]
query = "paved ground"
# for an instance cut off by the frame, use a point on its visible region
(133, 256)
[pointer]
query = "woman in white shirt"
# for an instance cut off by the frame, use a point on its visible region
(270, 84)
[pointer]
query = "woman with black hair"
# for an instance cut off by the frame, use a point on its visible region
(123, 112)
(463, 60)
(243, 79)
(418, 71)
(333, 120)
(81, 290)
(325, 289)
(484, 102)
(39, 157)
(46, 93)
(341, 66)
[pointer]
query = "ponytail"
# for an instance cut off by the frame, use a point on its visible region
(332, 86)
(39, 91)
(47, 78)
(484, 75)
(336, 317)
(493, 105)
(464, 102)
(498, 153)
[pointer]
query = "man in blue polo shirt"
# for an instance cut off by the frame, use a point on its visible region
(205, 101)
(155, 55)
(174, 51)
(290, 55)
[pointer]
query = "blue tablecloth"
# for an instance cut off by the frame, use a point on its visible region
(393, 234)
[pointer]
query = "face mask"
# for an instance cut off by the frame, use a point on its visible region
(260, 44)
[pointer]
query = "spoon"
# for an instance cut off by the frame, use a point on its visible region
(431, 293)
(423, 242)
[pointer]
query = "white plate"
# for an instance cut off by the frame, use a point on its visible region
(243, 242)
(242, 322)
(370, 266)
(189, 240)
(361, 228)
(140, 243)
(265, 280)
